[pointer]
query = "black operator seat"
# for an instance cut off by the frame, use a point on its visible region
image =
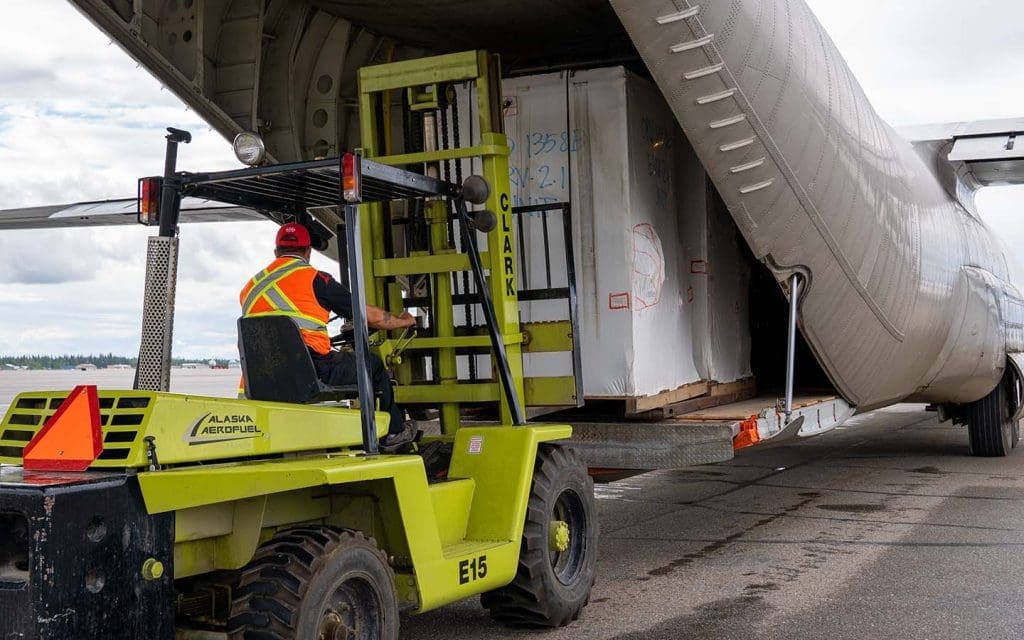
(276, 364)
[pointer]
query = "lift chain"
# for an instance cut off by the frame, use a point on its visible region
(417, 233)
(442, 114)
(443, 104)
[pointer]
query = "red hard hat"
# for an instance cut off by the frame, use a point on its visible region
(293, 235)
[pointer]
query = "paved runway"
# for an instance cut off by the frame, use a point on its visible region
(884, 528)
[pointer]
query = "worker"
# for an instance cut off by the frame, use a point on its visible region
(290, 286)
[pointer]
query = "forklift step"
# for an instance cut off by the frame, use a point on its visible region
(450, 499)
(471, 547)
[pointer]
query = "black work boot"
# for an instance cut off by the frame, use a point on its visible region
(393, 441)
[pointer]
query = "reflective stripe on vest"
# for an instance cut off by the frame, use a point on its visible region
(267, 279)
(266, 287)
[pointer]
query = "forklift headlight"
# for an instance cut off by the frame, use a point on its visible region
(249, 148)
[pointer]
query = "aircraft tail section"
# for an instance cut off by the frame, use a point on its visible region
(819, 185)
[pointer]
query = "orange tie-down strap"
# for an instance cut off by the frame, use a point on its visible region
(748, 434)
(71, 440)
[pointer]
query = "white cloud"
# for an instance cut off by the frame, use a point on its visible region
(923, 61)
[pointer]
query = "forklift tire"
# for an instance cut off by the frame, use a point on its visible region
(551, 587)
(315, 582)
(990, 430)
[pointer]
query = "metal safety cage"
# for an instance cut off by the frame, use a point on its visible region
(295, 187)
(291, 189)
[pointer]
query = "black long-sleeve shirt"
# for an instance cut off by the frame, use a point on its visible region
(332, 295)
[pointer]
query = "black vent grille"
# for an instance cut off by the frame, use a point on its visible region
(122, 415)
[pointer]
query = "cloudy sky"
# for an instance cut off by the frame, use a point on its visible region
(79, 120)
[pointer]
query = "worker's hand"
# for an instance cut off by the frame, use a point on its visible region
(405, 319)
(377, 318)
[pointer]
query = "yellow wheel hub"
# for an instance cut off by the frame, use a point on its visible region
(558, 539)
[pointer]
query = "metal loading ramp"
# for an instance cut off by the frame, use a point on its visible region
(705, 436)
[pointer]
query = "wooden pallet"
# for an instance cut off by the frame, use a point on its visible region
(691, 397)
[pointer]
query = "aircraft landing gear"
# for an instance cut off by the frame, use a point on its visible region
(990, 428)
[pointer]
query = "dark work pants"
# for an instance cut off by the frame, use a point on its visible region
(339, 368)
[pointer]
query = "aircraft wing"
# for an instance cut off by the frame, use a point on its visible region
(989, 151)
(116, 212)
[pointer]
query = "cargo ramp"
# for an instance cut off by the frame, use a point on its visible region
(705, 436)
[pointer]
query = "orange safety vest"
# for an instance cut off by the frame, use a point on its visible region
(285, 288)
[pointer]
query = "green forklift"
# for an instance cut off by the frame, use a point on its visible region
(146, 514)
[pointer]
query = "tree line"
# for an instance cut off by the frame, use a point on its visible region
(101, 360)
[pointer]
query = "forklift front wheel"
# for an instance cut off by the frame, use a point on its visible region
(558, 556)
(316, 582)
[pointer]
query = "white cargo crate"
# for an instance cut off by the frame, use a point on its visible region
(663, 297)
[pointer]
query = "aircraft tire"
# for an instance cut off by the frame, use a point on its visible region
(990, 430)
(315, 582)
(552, 586)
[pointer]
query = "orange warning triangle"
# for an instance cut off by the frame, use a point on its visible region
(70, 440)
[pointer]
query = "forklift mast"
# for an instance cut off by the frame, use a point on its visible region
(440, 238)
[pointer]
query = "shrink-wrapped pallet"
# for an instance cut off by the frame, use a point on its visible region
(663, 283)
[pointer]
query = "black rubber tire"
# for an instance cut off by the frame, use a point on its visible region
(312, 582)
(437, 457)
(990, 430)
(551, 588)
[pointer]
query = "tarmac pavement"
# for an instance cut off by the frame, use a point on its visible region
(884, 528)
